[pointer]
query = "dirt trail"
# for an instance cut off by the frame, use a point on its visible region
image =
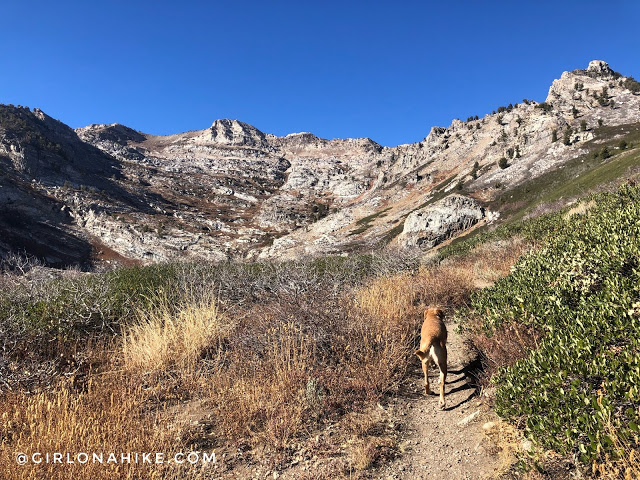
(450, 443)
(433, 443)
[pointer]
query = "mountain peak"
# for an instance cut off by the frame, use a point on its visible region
(234, 132)
(599, 67)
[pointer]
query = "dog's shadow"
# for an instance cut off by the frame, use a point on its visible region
(468, 375)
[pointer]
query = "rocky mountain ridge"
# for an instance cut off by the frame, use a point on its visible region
(232, 191)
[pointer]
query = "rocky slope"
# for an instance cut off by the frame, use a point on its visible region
(233, 191)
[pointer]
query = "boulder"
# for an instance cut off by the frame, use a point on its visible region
(435, 223)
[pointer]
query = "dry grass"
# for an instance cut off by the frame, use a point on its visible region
(106, 417)
(580, 209)
(168, 336)
(507, 441)
(625, 463)
(503, 348)
(491, 261)
(368, 440)
(298, 354)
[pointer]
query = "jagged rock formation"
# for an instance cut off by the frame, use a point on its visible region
(233, 191)
(466, 154)
(433, 224)
(41, 157)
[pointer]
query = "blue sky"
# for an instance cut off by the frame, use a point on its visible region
(384, 70)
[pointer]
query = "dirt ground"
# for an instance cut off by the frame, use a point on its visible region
(432, 443)
(450, 443)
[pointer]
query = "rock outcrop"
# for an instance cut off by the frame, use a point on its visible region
(233, 132)
(435, 223)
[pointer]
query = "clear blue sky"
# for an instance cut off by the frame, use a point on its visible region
(380, 69)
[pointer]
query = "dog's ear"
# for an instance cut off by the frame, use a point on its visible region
(421, 355)
(437, 311)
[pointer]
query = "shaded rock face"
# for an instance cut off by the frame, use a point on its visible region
(433, 224)
(37, 225)
(42, 148)
(42, 160)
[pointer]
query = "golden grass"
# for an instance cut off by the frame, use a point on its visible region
(105, 418)
(167, 336)
(368, 442)
(580, 209)
(625, 463)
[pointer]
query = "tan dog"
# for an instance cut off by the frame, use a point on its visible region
(433, 346)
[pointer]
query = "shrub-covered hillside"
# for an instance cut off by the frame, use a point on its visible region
(580, 296)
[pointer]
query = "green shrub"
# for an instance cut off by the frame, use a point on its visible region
(545, 107)
(582, 292)
(632, 84)
(503, 163)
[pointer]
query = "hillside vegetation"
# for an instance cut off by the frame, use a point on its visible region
(271, 362)
(574, 306)
(265, 363)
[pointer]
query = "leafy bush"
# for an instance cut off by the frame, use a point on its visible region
(632, 84)
(582, 292)
(546, 107)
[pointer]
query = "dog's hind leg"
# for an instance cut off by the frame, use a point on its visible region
(426, 363)
(439, 354)
(425, 358)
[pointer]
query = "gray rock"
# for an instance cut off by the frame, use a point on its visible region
(435, 223)
(599, 67)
